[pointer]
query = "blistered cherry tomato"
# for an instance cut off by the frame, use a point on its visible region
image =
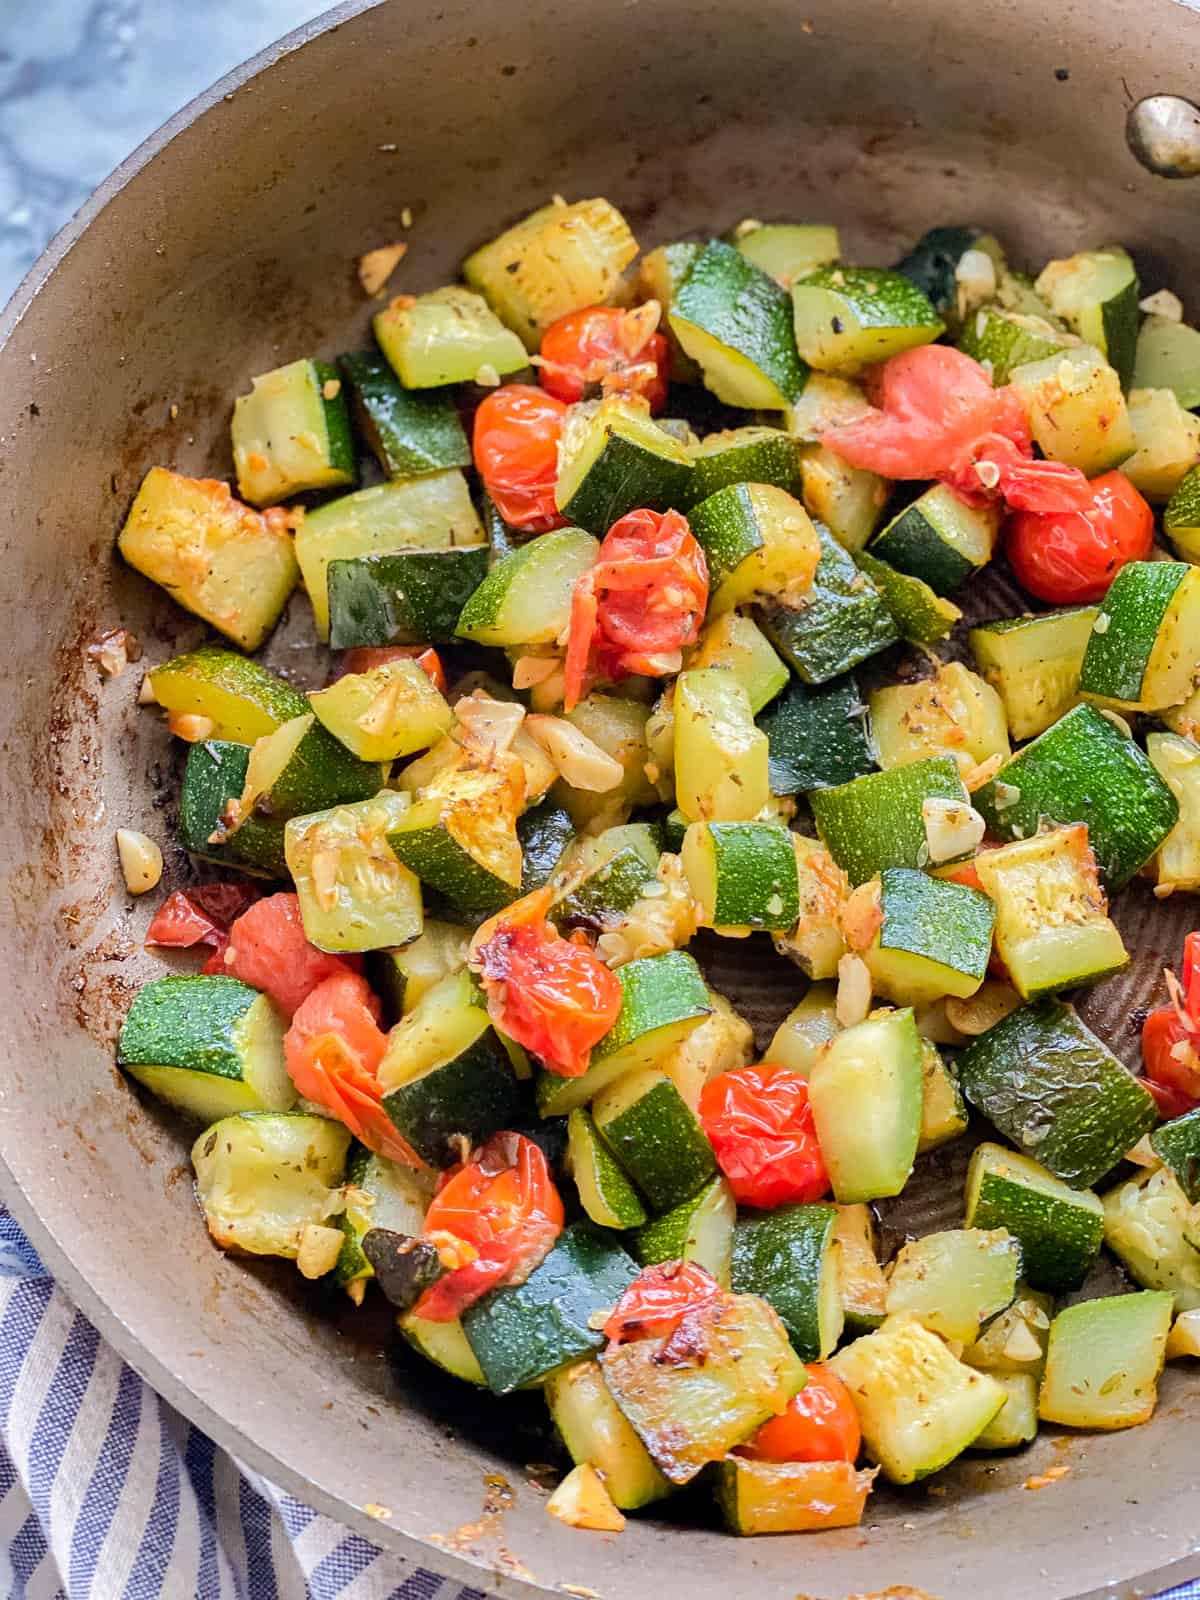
(760, 1124)
(603, 350)
(1071, 557)
(515, 445)
(820, 1424)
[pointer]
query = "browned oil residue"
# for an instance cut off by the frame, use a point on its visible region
(896, 1592)
(499, 1497)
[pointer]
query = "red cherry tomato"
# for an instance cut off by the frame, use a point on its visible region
(761, 1127)
(268, 950)
(1171, 1039)
(1071, 557)
(939, 417)
(659, 1299)
(333, 1050)
(363, 657)
(820, 1424)
(603, 350)
(639, 605)
(550, 994)
(201, 915)
(493, 1220)
(516, 436)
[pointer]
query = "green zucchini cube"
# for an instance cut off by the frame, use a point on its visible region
(788, 1256)
(214, 775)
(1059, 1229)
(818, 737)
(354, 894)
(935, 938)
(843, 619)
(865, 1090)
(447, 336)
(292, 433)
(1033, 663)
(759, 543)
(743, 875)
(1096, 294)
(402, 597)
(239, 697)
(847, 318)
(1104, 1361)
(645, 1122)
(700, 1229)
(262, 1177)
(614, 458)
(1143, 653)
(411, 432)
(790, 1496)
(875, 822)
(956, 1281)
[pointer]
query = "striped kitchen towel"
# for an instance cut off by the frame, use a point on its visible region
(107, 1493)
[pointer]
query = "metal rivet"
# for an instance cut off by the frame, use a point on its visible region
(1163, 131)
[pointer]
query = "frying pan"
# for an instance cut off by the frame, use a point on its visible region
(224, 247)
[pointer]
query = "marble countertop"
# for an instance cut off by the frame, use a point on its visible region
(82, 82)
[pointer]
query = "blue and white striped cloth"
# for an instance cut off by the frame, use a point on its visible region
(107, 1493)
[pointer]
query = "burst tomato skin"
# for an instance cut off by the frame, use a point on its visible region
(1071, 557)
(496, 1217)
(268, 950)
(1171, 1040)
(642, 602)
(820, 1424)
(606, 350)
(179, 923)
(552, 995)
(761, 1128)
(659, 1299)
(515, 445)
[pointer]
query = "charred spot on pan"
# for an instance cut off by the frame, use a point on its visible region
(1062, 74)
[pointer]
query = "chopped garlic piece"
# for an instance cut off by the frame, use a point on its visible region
(487, 727)
(975, 280)
(319, 1249)
(952, 829)
(141, 860)
(582, 1501)
(990, 1004)
(188, 725)
(377, 266)
(531, 670)
(1162, 303)
(579, 760)
(853, 992)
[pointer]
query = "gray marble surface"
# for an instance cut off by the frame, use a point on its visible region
(82, 82)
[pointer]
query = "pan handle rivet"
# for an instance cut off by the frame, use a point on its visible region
(1163, 132)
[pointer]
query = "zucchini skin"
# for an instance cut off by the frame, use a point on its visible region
(405, 597)
(410, 432)
(781, 1255)
(843, 622)
(544, 831)
(1177, 1143)
(1060, 1235)
(188, 1021)
(1083, 769)
(475, 1093)
(215, 774)
(1056, 1092)
(736, 304)
(817, 736)
(874, 822)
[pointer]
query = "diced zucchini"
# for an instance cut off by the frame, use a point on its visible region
(944, 1113)
(1084, 769)
(875, 822)
(918, 1405)
(613, 459)
(402, 597)
(239, 697)
(1004, 339)
(387, 712)
(209, 1046)
(618, 726)
(787, 250)
(690, 1410)
(1053, 930)
(955, 1282)
(937, 266)
(743, 874)
(846, 318)
(558, 259)
(848, 500)
(596, 1433)
(815, 941)
(663, 999)
(403, 976)
(736, 323)
(790, 1257)
(935, 938)
(722, 1043)
(446, 1075)
(1183, 1341)
(818, 737)
(1104, 1360)
(354, 894)
(447, 336)
(526, 597)
(410, 431)
(759, 544)
(863, 1285)
(1058, 1228)
(1168, 357)
(292, 433)
(1177, 1145)
(790, 1496)
(1096, 294)
(605, 1193)
(1056, 1091)
(939, 538)
(656, 1137)
(865, 1092)
(843, 619)
(720, 756)
(700, 1229)
(955, 713)
(738, 644)
(214, 776)
(215, 557)
(522, 1332)
(1016, 1422)
(827, 402)
(1015, 1343)
(1077, 413)
(544, 832)
(921, 616)
(300, 768)
(804, 1030)
(430, 513)
(445, 1344)
(262, 1177)
(1181, 519)
(744, 455)
(1144, 650)
(460, 835)
(1166, 443)
(1033, 663)
(379, 1194)
(1150, 1226)
(607, 876)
